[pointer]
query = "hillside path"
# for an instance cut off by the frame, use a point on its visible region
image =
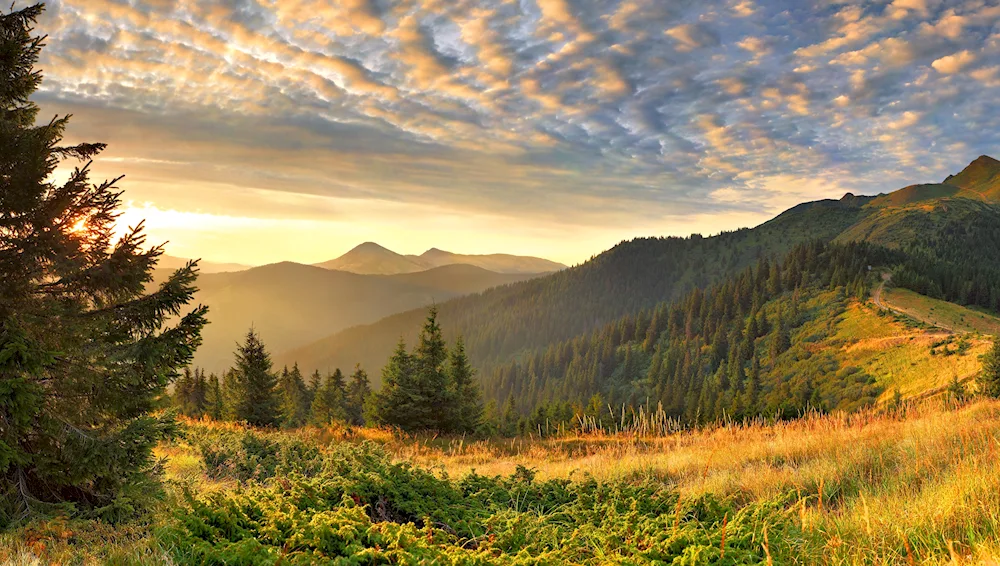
(880, 303)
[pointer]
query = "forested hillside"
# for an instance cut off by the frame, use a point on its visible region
(753, 345)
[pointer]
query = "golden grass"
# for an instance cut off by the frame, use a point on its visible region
(897, 354)
(925, 478)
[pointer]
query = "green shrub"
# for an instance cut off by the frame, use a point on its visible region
(362, 508)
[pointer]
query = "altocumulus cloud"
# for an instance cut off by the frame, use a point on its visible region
(622, 116)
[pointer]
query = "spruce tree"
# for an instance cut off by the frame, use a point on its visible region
(509, 417)
(182, 391)
(430, 379)
(328, 403)
(84, 353)
(232, 394)
(392, 405)
(315, 381)
(358, 393)
(466, 401)
(252, 387)
(213, 398)
(989, 378)
(294, 398)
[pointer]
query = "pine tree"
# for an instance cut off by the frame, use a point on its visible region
(989, 379)
(294, 398)
(392, 405)
(466, 402)
(358, 393)
(84, 354)
(232, 394)
(328, 403)
(430, 378)
(213, 398)
(252, 388)
(197, 398)
(182, 391)
(315, 381)
(509, 417)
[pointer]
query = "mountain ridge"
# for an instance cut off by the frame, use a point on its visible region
(370, 258)
(292, 304)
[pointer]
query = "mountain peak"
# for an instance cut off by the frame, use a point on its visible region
(370, 247)
(435, 252)
(981, 178)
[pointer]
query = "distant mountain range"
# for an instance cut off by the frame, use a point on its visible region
(370, 258)
(172, 262)
(291, 304)
(946, 220)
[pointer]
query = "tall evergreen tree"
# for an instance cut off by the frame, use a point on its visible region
(83, 350)
(328, 403)
(213, 398)
(358, 392)
(466, 401)
(294, 398)
(509, 417)
(182, 391)
(392, 405)
(315, 381)
(252, 388)
(232, 394)
(430, 378)
(989, 379)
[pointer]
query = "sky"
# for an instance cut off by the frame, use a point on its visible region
(255, 131)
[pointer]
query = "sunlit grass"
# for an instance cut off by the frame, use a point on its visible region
(949, 315)
(914, 486)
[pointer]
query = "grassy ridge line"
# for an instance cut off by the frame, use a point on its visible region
(900, 356)
(880, 296)
(941, 313)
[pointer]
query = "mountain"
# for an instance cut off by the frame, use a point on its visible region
(169, 262)
(500, 263)
(981, 178)
(506, 323)
(460, 278)
(370, 258)
(291, 304)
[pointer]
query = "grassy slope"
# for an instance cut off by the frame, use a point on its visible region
(854, 345)
(886, 488)
(942, 313)
(898, 354)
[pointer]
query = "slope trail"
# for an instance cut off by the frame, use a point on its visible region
(880, 301)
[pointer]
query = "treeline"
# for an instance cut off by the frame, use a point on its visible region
(430, 388)
(711, 354)
(251, 392)
(959, 259)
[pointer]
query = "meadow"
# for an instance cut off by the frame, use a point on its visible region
(916, 484)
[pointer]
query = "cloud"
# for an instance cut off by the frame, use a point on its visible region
(952, 64)
(692, 36)
(585, 115)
